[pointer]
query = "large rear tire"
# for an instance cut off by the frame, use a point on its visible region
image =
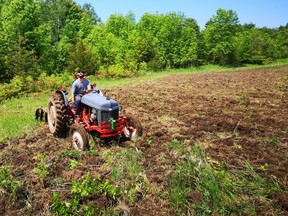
(79, 138)
(56, 115)
(134, 128)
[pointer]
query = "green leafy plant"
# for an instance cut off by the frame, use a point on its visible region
(71, 154)
(58, 206)
(73, 164)
(7, 182)
(86, 187)
(109, 190)
(90, 210)
(150, 140)
(264, 167)
(80, 193)
(41, 167)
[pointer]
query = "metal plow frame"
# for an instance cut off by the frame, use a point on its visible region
(41, 114)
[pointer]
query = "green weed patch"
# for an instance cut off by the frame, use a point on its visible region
(220, 189)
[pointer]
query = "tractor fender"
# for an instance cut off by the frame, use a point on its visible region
(64, 92)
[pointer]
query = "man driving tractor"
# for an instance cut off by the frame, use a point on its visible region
(79, 88)
(96, 115)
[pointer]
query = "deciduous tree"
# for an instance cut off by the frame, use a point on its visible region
(219, 34)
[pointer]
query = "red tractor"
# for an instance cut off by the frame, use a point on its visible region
(99, 117)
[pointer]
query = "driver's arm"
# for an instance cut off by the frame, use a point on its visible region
(88, 88)
(72, 93)
(72, 97)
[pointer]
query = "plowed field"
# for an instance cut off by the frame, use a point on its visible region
(235, 117)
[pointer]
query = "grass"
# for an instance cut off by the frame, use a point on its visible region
(193, 173)
(17, 115)
(126, 164)
(224, 190)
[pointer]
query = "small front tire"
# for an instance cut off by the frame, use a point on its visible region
(79, 138)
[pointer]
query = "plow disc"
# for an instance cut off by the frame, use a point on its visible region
(41, 114)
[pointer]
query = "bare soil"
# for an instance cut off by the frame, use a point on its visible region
(235, 116)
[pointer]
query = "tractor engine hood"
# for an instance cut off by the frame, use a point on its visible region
(99, 102)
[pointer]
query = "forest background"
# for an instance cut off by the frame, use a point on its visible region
(42, 39)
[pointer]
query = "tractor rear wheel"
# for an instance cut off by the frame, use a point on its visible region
(134, 128)
(79, 138)
(56, 115)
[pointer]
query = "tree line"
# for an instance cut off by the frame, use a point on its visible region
(53, 36)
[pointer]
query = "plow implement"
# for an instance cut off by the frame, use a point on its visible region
(41, 114)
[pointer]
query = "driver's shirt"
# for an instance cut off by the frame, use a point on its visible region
(80, 87)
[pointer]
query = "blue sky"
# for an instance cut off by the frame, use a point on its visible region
(269, 13)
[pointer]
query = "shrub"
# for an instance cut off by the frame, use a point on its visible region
(257, 60)
(114, 71)
(3, 88)
(42, 80)
(12, 89)
(29, 85)
(53, 81)
(143, 66)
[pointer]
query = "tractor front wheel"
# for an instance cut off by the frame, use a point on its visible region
(79, 138)
(133, 128)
